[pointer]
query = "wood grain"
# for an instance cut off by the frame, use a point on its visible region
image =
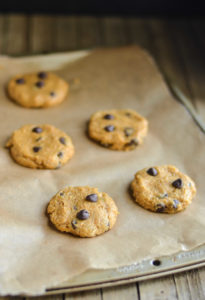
(162, 288)
(3, 32)
(88, 32)
(165, 50)
(66, 33)
(113, 31)
(91, 295)
(182, 286)
(136, 33)
(16, 42)
(52, 297)
(201, 273)
(195, 285)
(42, 34)
(121, 292)
(193, 56)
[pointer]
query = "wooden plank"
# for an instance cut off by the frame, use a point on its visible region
(195, 285)
(50, 297)
(190, 285)
(193, 56)
(113, 31)
(182, 286)
(17, 43)
(202, 278)
(12, 298)
(90, 295)
(88, 32)
(42, 34)
(136, 32)
(124, 292)
(3, 33)
(193, 47)
(66, 33)
(157, 289)
(166, 51)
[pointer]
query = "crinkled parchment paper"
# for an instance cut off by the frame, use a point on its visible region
(33, 255)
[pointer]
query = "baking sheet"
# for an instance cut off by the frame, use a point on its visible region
(144, 270)
(34, 256)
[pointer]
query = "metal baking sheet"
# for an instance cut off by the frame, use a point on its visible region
(148, 269)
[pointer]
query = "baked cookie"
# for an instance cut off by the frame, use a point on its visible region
(118, 129)
(163, 189)
(41, 89)
(42, 147)
(82, 211)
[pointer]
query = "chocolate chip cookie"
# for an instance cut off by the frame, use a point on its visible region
(82, 211)
(40, 146)
(163, 189)
(43, 89)
(118, 129)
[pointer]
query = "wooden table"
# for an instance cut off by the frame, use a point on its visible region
(177, 45)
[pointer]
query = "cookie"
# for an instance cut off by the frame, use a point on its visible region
(43, 89)
(118, 129)
(42, 147)
(163, 189)
(82, 211)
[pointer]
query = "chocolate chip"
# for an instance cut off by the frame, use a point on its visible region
(36, 149)
(152, 172)
(177, 183)
(40, 84)
(83, 214)
(108, 224)
(92, 198)
(37, 129)
(175, 203)
(75, 207)
(62, 140)
(133, 142)
(60, 154)
(20, 81)
(61, 193)
(108, 117)
(160, 207)
(73, 223)
(128, 131)
(128, 114)
(52, 94)
(109, 128)
(42, 75)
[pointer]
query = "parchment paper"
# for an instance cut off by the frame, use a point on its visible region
(33, 255)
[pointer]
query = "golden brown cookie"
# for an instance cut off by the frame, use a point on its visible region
(41, 89)
(118, 129)
(42, 147)
(82, 211)
(163, 189)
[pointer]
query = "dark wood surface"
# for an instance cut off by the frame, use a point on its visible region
(178, 47)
